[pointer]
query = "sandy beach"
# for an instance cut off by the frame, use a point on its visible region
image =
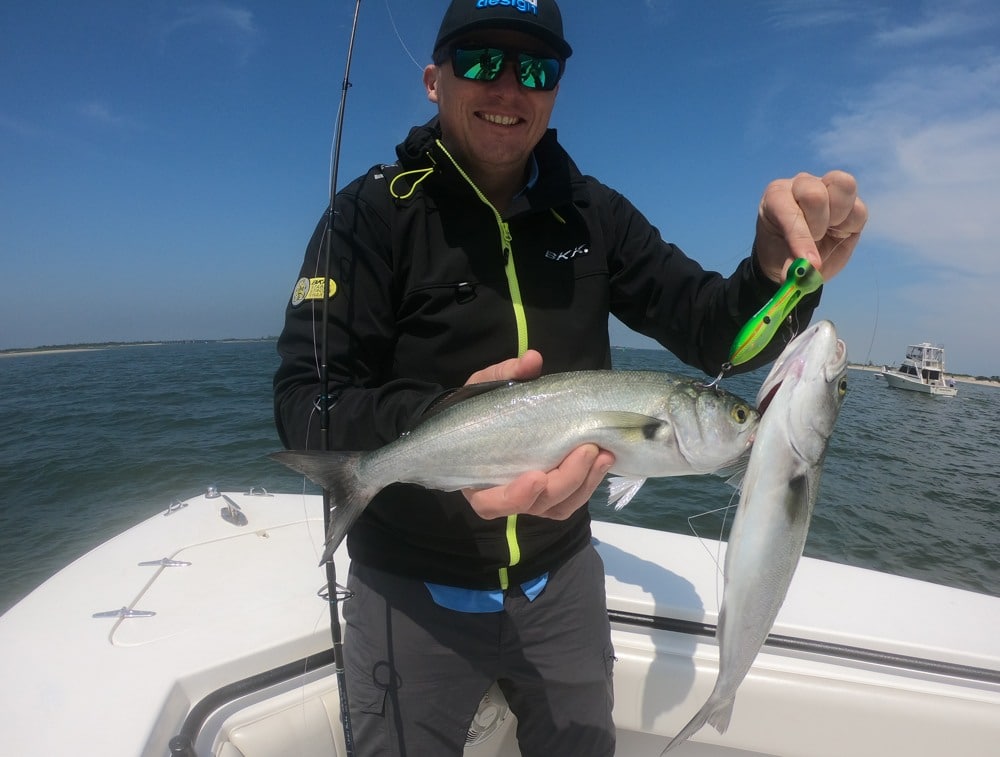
(95, 348)
(54, 351)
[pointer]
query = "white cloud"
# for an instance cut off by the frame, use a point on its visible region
(233, 25)
(238, 20)
(924, 141)
(658, 11)
(937, 26)
(18, 126)
(925, 144)
(100, 113)
(794, 14)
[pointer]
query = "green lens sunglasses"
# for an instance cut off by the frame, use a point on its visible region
(486, 64)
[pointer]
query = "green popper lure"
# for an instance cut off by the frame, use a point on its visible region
(800, 280)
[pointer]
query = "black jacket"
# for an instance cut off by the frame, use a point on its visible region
(431, 285)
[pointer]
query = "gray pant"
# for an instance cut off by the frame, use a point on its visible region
(416, 671)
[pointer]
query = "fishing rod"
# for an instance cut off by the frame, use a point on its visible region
(334, 596)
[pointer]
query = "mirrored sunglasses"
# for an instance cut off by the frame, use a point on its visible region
(486, 64)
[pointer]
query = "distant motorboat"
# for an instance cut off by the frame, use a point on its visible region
(922, 370)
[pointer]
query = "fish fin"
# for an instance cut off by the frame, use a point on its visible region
(798, 503)
(337, 472)
(715, 711)
(626, 420)
(453, 397)
(735, 472)
(621, 490)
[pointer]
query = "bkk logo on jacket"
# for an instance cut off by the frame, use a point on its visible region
(525, 6)
(567, 254)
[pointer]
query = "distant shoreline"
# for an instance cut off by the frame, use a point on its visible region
(52, 351)
(958, 377)
(116, 345)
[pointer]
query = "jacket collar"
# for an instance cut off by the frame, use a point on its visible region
(559, 181)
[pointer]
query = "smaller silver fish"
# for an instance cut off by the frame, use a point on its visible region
(800, 400)
(656, 424)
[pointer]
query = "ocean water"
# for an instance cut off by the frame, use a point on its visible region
(94, 442)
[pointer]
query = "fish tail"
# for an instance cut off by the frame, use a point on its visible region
(336, 472)
(719, 718)
(715, 711)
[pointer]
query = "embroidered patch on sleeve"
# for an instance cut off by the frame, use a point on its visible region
(311, 289)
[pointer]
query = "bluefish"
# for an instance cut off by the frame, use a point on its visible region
(655, 423)
(799, 401)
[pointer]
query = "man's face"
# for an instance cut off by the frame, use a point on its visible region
(490, 126)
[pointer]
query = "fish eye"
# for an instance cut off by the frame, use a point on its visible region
(842, 386)
(740, 413)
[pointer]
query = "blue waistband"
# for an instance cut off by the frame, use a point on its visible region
(481, 600)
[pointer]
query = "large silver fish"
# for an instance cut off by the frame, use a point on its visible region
(656, 424)
(800, 400)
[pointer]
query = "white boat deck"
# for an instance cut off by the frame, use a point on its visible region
(248, 603)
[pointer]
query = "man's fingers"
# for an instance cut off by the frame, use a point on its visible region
(819, 219)
(527, 366)
(556, 494)
(812, 197)
(563, 493)
(599, 467)
(516, 497)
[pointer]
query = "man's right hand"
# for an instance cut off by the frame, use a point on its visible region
(555, 494)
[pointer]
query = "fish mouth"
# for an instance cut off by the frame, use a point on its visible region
(818, 342)
(788, 367)
(763, 404)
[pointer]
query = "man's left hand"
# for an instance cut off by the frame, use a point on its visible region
(819, 219)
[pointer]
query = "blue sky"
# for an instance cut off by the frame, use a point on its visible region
(162, 164)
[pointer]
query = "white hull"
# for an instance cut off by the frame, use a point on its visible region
(868, 664)
(900, 381)
(922, 370)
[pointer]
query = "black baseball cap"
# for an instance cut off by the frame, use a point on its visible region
(539, 18)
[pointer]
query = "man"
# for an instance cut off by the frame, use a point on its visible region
(480, 253)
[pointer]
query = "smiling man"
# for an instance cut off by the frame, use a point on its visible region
(480, 252)
(494, 80)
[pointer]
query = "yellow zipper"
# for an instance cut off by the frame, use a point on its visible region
(520, 319)
(515, 288)
(508, 258)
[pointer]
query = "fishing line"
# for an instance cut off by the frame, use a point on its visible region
(871, 344)
(722, 529)
(392, 21)
(716, 556)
